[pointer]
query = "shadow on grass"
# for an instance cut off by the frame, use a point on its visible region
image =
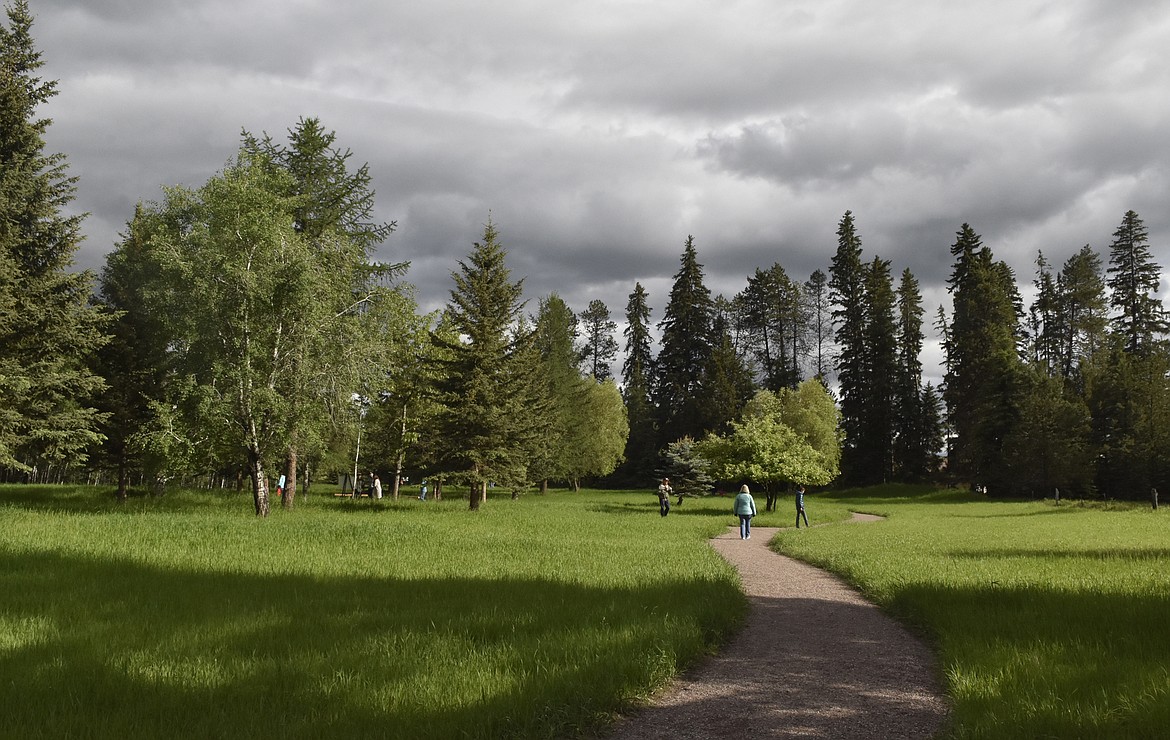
(120, 650)
(1119, 553)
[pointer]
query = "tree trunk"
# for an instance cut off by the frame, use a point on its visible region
(124, 481)
(259, 482)
(544, 486)
(290, 482)
(439, 489)
(473, 495)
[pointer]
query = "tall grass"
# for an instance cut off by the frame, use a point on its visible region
(1050, 621)
(184, 616)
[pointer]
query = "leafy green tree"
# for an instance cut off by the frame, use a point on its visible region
(594, 443)
(637, 374)
(1134, 286)
(48, 328)
(680, 370)
(332, 209)
(784, 437)
(484, 428)
(600, 346)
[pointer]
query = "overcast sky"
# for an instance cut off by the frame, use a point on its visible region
(598, 135)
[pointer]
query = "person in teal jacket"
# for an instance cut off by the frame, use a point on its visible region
(745, 509)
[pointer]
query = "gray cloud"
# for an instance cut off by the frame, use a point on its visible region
(598, 136)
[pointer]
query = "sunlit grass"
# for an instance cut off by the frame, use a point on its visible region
(185, 616)
(1049, 621)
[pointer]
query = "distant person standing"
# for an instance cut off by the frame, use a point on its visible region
(423, 491)
(745, 509)
(377, 492)
(800, 506)
(664, 491)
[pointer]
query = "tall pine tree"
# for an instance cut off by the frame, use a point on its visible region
(484, 428)
(637, 374)
(1140, 317)
(680, 371)
(985, 381)
(48, 329)
(847, 289)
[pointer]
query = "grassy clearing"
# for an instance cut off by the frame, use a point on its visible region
(1050, 622)
(187, 617)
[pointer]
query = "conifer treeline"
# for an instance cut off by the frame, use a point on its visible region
(1070, 394)
(246, 317)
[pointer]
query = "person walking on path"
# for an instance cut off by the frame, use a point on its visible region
(664, 491)
(800, 506)
(745, 509)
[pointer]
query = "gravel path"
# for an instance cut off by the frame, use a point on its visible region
(814, 660)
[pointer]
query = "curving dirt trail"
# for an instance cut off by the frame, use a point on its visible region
(814, 660)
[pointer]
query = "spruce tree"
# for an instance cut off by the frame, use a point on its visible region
(485, 385)
(729, 381)
(637, 373)
(680, 371)
(874, 455)
(48, 328)
(847, 289)
(555, 340)
(911, 457)
(985, 381)
(1134, 286)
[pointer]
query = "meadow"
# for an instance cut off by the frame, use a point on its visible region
(185, 616)
(1050, 621)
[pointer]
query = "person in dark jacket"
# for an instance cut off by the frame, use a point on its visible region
(800, 506)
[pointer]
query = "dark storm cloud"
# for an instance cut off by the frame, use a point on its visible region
(597, 136)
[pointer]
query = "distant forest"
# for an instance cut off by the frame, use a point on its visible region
(239, 331)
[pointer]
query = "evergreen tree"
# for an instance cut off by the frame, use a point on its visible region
(729, 380)
(771, 317)
(819, 324)
(985, 381)
(134, 363)
(1046, 320)
(637, 372)
(1134, 286)
(912, 456)
(847, 289)
(484, 430)
(600, 346)
(555, 338)
(1083, 310)
(680, 372)
(48, 328)
(873, 456)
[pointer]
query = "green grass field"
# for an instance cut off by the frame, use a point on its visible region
(185, 616)
(1049, 621)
